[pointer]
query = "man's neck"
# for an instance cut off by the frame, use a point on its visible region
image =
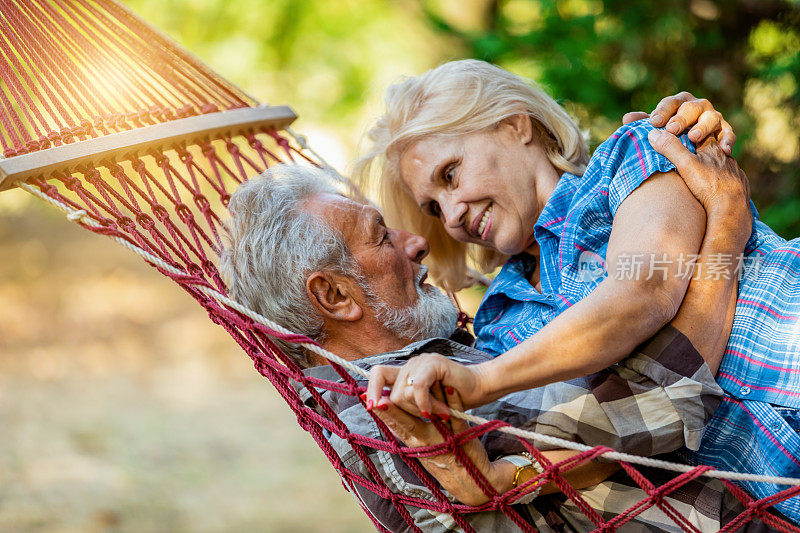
(356, 345)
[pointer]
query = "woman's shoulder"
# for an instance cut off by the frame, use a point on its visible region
(625, 160)
(629, 143)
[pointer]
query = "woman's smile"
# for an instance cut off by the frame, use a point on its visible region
(481, 186)
(482, 223)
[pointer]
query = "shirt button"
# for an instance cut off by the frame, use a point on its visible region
(745, 390)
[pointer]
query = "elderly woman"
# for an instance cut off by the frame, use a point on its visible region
(503, 167)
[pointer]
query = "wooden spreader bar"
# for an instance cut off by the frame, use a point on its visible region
(159, 136)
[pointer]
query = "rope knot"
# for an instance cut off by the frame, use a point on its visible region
(253, 141)
(757, 509)
(44, 142)
(184, 155)
(185, 111)
(209, 268)
(157, 113)
(302, 140)
(145, 221)
(126, 223)
(138, 165)
(161, 213)
(71, 183)
(76, 216)
(135, 118)
(232, 148)
(66, 135)
(100, 124)
(81, 130)
(195, 270)
(208, 150)
(87, 127)
(161, 159)
(202, 202)
(657, 498)
(184, 213)
(54, 137)
(209, 108)
(114, 120)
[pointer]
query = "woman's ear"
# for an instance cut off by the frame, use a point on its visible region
(332, 295)
(521, 127)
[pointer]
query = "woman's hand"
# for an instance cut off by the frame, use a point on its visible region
(716, 180)
(446, 468)
(411, 384)
(682, 110)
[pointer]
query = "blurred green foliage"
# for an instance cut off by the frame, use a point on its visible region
(602, 58)
(332, 59)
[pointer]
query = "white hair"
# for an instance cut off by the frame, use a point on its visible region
(274, 244)
(458, 98)
(434, 314)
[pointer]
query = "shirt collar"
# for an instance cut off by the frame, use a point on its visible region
(453, 350)
(512, 281)
(553, 216)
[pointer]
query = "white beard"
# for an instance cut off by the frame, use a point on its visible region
(434, 314)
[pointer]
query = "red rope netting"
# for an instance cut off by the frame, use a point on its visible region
(76, 69)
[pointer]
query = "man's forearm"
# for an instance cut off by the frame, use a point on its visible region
(706, 314)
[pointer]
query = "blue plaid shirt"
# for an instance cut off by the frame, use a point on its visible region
(760, 373)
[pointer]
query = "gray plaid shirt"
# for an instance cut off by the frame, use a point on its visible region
(653, 402)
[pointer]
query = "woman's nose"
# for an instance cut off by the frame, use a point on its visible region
(454, 212)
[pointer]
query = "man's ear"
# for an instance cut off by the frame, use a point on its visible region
(333, 296)
(520, 126)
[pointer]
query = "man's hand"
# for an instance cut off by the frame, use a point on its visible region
(682, 110)
(445, 467)
(714, 179)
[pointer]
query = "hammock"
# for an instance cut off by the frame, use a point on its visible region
(135, 139)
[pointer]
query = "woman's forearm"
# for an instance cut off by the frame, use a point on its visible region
(591, 335)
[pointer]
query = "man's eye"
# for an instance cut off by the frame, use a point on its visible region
(387, 238)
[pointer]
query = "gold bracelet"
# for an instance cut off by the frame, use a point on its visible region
(523, 461)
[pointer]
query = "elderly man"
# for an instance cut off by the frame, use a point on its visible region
(328, 267)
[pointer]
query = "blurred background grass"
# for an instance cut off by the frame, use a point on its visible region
(124, 409)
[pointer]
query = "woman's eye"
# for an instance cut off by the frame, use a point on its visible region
(449, 174)
(434, 209)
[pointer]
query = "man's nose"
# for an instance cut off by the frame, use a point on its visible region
(415, 246)
(453, 212)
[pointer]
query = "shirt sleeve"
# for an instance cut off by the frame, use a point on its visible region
(628, 159)
(655, 401)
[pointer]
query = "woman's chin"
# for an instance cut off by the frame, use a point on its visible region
(504, 247)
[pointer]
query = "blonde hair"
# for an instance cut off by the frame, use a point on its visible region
(457, 98)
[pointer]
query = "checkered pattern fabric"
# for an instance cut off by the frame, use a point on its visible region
(651, 403)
